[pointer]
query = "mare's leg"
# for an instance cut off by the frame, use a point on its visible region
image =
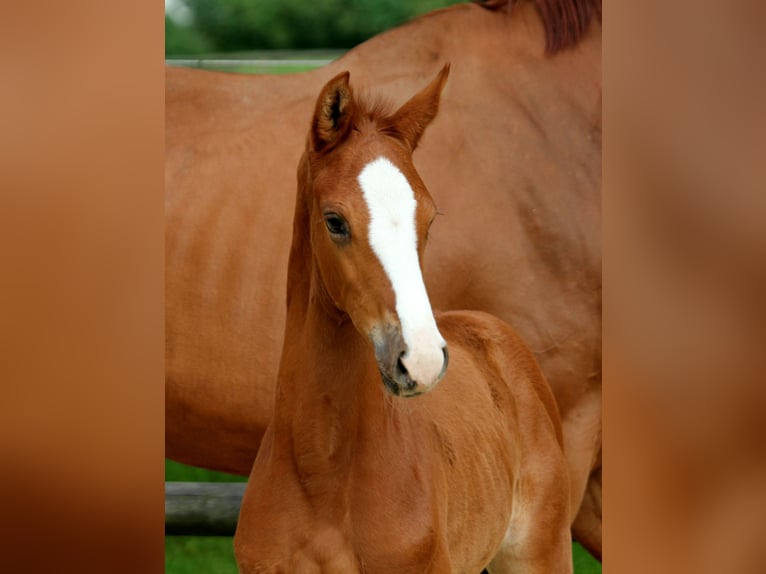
(581, 427)
(586, 528)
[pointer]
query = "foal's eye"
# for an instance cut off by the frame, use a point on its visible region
(337, 226)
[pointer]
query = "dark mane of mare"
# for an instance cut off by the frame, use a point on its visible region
(565, 21)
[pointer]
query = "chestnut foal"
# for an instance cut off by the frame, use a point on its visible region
(351, 476)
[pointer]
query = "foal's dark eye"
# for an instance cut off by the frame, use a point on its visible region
(337, 226)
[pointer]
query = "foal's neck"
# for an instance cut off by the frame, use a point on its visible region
(328, 386)
(327, 400)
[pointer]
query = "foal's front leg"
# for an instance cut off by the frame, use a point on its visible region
(557, 559)
(538, 539)
(440, 564)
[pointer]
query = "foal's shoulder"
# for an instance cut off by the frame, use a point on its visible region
(497, 344)
(477, 328)
(480, 333)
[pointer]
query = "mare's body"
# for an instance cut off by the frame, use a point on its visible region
(514, 164)
(465, 474)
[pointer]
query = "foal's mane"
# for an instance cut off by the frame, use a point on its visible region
(377, 110)
(565, 21)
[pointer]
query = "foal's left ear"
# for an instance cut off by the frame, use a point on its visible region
(332, 114)
(412, 119)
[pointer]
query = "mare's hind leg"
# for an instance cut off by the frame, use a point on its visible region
(582, 447)
(587, 525)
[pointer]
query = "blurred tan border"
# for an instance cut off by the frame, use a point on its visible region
(81, 286)
(684, 286)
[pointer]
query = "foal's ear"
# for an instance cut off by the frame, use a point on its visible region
(333, 112)
(412, 119)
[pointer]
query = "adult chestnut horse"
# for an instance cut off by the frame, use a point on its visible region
(347, 479)
(514, 164)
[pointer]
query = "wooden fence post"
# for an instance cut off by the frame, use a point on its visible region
(202, 508)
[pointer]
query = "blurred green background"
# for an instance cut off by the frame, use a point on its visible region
(303, 30)
(195, 27)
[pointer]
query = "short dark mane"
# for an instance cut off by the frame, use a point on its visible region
(377, 110)
(373, 107)
(565, 21)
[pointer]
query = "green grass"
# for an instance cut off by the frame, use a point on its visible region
(584, 563)
(256, 69)
(199, 554)
(275, 63)
(175, 471)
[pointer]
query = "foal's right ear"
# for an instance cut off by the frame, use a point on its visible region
(412, 119)
(332, 115)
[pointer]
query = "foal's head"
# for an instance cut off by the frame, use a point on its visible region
(369, 214)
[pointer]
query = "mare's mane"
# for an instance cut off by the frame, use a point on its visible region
(565, 21)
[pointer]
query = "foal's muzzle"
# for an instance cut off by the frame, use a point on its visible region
(390, 350)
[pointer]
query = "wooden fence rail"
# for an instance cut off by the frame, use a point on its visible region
(262, 61)
(202, 508)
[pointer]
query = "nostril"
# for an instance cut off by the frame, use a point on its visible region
(400, 365)
(446, 358)
(403, 373)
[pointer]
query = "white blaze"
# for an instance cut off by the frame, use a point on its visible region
(393, 238)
